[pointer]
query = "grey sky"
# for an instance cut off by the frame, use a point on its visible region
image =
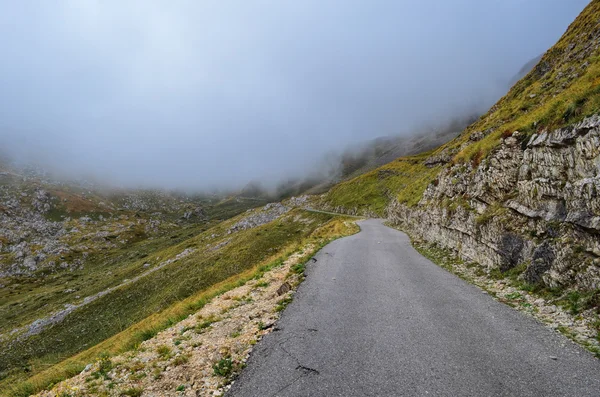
(202, 93)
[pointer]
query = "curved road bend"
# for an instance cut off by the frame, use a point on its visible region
(375, 318)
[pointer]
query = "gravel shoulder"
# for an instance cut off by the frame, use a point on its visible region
(199, 355)
(374, 317)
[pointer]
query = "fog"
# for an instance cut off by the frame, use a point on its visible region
(197, 94)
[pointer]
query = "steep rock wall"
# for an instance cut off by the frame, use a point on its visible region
(532, 202)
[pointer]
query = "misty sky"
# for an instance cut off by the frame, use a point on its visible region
(202, 93)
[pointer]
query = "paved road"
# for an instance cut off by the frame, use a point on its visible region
(375, 318)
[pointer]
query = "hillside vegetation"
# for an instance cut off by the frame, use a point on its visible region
(405, 179)
(184, 269)
(72, 252)
(562, 89)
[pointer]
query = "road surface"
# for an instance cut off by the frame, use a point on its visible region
(375, 318)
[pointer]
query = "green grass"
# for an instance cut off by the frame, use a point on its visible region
(282, 304)
(233, 206)
(405, 179)
(224, 367)
(546, 101)
(163, 352)
(133, 392)
(37, 296)
(205, 323)
(283, 237)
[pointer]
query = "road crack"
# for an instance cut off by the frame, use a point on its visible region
(307, 370)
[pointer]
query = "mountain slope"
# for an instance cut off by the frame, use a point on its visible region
(168, 276)
(366, 156)
(524, 70)
(562, 89)
(517, 191)
(75, 255)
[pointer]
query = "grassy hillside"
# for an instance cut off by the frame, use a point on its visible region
(563, 88)
(405, 178)
(61, 242)
(25, 299)
(367, 156)
(131, 338)
(217, 257)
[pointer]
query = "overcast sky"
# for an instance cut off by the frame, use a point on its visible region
(201, 93)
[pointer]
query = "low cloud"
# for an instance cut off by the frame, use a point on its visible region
(195, 95)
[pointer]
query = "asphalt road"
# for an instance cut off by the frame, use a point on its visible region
(375, 318)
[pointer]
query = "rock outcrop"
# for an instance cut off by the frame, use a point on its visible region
(533, 202)
(259, 217)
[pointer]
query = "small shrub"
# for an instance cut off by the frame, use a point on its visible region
(490, 213)
(574, 109)
(299, 268)
(147, 334)
(477, 157)
(133, 392)
(138, 376)
(206, 323)
(592, 301)
(180, 388)
(516, 271)
(181, 359)
(282, 304)
(104, 367)
(223, 367)
(514, 295)
(574, 302)
(496, 274)
(135, 367)
(163, 351)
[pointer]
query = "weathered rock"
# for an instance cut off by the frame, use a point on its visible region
(476, 136)
(284, 288)
(267, 214)
(520, 205)
(441, 158)
(542, 259)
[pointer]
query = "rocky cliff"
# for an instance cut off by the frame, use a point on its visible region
(518, 189)
(531, 203)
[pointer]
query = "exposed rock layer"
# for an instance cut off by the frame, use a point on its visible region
(532, 202)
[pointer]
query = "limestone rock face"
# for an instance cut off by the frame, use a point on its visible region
(531, 202)
(266, 214)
